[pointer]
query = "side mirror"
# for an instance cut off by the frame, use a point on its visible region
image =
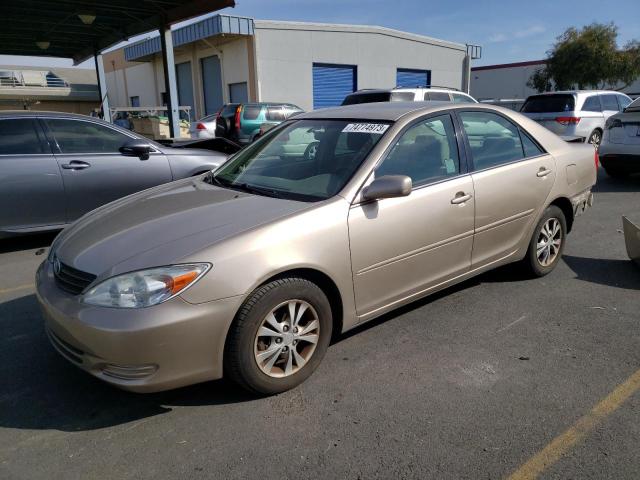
(388, 186)
(136, 148)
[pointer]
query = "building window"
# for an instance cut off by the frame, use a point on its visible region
(135, 101)
(238, 92)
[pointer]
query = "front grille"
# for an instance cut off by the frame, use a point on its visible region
(69, 279)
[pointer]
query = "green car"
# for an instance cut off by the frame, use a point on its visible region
(244, 122)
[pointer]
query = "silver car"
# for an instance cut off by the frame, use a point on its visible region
(55, 167)
(248, 271)
(620, 147)
(575, 113)
(204, 128)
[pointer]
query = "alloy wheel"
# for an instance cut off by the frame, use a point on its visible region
(549, 242)
(286, 338)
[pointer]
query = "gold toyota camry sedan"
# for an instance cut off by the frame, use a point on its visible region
(328, 221)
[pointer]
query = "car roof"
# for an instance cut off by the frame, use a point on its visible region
(571, 92)
(386, 111)
(42, 113)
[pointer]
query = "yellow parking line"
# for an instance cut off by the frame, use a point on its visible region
(578, 431)
(15, 289)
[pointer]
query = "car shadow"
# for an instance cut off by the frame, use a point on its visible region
(41, 390)
(27, 242)
(612, 273)
(607, 184)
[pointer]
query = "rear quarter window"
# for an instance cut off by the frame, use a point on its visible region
(251, 112)
(549, 104)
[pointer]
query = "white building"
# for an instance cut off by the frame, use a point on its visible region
(224, 59)
(507, 83)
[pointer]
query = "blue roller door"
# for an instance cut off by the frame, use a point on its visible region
(408, 77)
(211, 84)
(331, 83)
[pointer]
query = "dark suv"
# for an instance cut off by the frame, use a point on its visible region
(244, 122)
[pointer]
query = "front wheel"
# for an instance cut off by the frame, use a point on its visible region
(279, 336)
(547, 242)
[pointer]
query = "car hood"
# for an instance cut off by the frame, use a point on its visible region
(162, 225)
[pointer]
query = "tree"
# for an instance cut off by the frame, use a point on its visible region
(588, 58)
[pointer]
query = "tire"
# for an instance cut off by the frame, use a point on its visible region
(248, 354)
(595, 138)
(536, 264)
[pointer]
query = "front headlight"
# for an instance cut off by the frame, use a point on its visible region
(145, 287)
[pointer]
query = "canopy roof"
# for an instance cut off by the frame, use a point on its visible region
(78, 28)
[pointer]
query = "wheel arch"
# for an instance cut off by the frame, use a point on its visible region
(564, 204)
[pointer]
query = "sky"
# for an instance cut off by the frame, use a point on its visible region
(509, 31)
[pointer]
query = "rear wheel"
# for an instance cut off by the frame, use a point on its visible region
(547, 242)
(279, 336)
(595, 138)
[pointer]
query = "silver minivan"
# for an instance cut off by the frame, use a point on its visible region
(580, 113)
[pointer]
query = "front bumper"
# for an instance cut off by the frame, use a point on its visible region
(143, 350)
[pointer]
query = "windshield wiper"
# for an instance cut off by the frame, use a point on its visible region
(245, 187)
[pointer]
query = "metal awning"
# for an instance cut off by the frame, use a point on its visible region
(78, 28)
(209, 27)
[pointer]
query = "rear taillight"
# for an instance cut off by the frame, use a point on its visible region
(200, 126)
(238, 110)
(568, 120)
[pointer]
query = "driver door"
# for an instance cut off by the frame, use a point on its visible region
(401, 247)
(94, 172)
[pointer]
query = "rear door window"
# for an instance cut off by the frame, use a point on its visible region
(609, 102)
(592, 104)
(493, 139)
(77, 136)
(549, 103)
(531, 149)
(20, 137)
(437, 96)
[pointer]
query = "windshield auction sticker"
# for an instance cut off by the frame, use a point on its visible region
(375, 128)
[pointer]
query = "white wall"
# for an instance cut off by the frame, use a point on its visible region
(286, 53)
(497, 83)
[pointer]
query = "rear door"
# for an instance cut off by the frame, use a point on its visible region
(31, 189)
(512, 177)
(93, 169)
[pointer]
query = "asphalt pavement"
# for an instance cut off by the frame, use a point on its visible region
(470, 383)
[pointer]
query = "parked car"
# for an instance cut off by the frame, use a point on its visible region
(579, 113)
(55, 167)
(403, 94)
(248, 271)
(241, 123)
(204, 128)
(620, 147)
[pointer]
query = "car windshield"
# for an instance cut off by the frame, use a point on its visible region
(549, 104)
(633, 106)
(307, 160)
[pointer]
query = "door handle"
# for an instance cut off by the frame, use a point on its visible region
(543, 172)
(75, 165)
(460, 197)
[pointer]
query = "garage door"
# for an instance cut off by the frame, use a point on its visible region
(185, 89)
(211, 84)
(331, 83)
(408, 77)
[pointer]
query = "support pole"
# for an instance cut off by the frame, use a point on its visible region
(170, 84)
(102, 88)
